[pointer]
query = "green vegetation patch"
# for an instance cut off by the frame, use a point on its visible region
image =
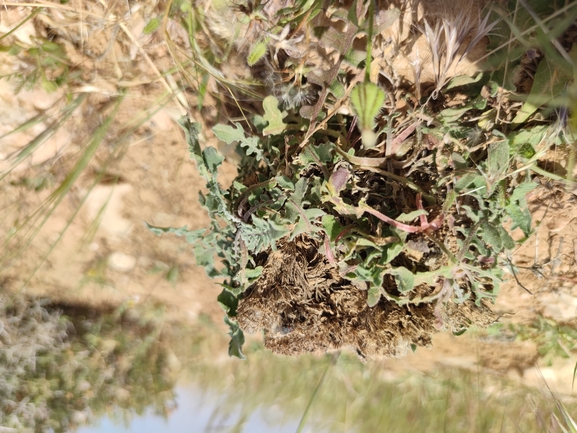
(353, 222)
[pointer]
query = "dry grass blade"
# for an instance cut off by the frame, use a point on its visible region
(28, 229)
(448, 37)
(41, 138)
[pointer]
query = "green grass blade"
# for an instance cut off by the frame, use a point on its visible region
(47, 208)
(21, 23)
(44, 135)
(574, 374)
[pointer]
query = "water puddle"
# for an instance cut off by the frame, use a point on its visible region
(198, 412)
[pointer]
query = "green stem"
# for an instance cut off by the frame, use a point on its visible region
(369, 41)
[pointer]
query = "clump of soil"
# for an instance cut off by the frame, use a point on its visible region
(304, 306)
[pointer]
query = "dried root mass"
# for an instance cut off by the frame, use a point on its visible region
(304, 306)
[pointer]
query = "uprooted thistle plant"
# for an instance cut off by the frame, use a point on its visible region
(398, 207)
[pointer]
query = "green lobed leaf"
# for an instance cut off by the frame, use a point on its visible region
(467, 179)
(464, 80)
(212, 159)
(354, 56)
(253, 274)
(228, 134)
(204, 256)
(507, 240)
(178, 231)
(522, 190)
(404, 278)
(498, 159)
(273, 116)
(228, 301)
(337, 88)
(373, 296)
(191, 131)
(392, 250)
(285, 182)
(299, 192)
(236, 339)
(332, 227)
(319, 154)
(491, 236)
(305, 221)
(521, 218)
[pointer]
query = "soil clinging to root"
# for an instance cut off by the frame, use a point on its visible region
(305, 306)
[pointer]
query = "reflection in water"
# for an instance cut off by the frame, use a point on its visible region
(58, 372)
(61, 369)
(196, 412)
